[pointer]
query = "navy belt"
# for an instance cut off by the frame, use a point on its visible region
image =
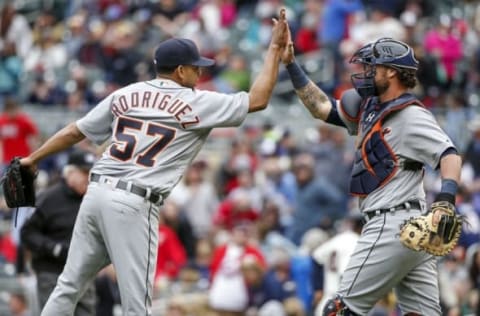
(133, 188)
(414, 204)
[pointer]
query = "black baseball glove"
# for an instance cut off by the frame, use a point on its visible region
(18, 185)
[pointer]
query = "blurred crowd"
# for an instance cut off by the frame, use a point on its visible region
(239, 235)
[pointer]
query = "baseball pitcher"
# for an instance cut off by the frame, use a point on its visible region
(156, 129)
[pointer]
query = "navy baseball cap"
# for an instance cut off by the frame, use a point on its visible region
(179, 51)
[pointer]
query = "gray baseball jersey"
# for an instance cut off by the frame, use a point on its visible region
(380, 262)
(412, 133)
(156, 128)
(174, 121)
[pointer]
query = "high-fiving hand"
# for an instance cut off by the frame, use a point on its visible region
(280, 30)
(282, 37)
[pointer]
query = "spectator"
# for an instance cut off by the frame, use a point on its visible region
(18, 133)
(279, 184)
(176, 220)
(446, 47)
(75, 34)
(169, 16)
(77, 84)
(309, 13)
(302, 266)
(253, 272)
(90, 52)
(318, 203)
(197, 199)
(270, 230)
(201, 263)
(241, 156)
(235, 76)
(472, 160)
(428, 75)
(257, 34)
(472, 154)
(48, 53)
(108, 293)
(380, 23)
(333, 159)
(330, 260)
(47, 233)
(11, 25)
(120, 55)
(246, 183)
(279, 283)
(235, 209)
(306, 37)
(226, 276)
(11, 69)
(453, 281)
(171, 255)
(45, 91)
(333, 26)
(8, 250)
(471, 230)
(217, 14)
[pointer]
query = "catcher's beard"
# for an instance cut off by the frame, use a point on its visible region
(381, 85)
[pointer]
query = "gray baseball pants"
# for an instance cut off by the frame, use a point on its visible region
(380, 262)
(112, 226)
(46, 282)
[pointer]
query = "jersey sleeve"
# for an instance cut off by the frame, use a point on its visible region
(349, 110)
(221, 110)
(422, 138)
(96, 125)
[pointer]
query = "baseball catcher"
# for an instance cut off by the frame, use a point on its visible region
(437, 232)
(18, 185)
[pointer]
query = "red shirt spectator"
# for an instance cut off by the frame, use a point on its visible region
(171, 254)
(249, 250)
(234, 210)
(16, 130)
(226, 271)
(7, 248)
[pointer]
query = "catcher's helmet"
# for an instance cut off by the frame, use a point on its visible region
(385, 51)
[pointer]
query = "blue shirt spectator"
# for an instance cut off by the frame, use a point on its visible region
(333, 25)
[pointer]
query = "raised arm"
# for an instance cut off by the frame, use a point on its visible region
(262, 88)
(315, 100)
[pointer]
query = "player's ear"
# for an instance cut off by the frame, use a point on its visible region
(181, 71)
(392, 72)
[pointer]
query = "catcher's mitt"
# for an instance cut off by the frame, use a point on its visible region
(18, 185)
(436, 233)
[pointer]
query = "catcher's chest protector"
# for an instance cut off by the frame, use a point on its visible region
(375, 162)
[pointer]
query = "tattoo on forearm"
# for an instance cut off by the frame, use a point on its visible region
(314, 99)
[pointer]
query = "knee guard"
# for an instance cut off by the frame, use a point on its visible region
(335, 306)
